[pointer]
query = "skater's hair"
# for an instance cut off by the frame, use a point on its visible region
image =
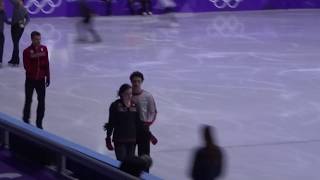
(136, 74)
(35, 33)
(123, 88)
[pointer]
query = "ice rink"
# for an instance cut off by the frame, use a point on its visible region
(254, 75)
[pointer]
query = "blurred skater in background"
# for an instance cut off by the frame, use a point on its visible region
(85, 26)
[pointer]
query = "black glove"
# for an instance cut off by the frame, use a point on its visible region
(109, 144)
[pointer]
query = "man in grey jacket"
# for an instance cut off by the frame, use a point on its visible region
(20, 18)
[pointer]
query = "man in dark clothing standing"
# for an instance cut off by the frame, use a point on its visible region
(208, 161)
(3, 19)
(36, 64)
(20, 19)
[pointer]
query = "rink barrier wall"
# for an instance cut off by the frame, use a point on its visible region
(69, 8)
(48, 149)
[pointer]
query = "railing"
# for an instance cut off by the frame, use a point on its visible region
(66, 156)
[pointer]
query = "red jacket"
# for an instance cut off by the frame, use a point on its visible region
(36, 62)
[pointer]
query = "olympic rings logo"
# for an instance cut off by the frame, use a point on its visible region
(225, 26)
(45, 6)
(51, 34)
(226, 3)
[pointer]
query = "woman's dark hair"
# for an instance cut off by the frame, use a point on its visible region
(136, 74)
(123, 88)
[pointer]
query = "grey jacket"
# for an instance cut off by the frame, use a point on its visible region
(20, 14)
(146, 106)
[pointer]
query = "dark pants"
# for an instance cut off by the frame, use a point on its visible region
(40, 87)
(124, 150)
(143, 141)
(1, 46)
(146, 5)
(108, 7)
(16, 33)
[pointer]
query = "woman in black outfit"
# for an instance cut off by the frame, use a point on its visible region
(122, 124)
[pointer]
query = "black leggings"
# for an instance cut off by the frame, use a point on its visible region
(16, 33)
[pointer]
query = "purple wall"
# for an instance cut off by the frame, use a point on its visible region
(51, 8)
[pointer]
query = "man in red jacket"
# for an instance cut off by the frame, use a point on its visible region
(36, 64)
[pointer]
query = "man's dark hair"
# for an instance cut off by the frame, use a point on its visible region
(136, 74)
(35, 33)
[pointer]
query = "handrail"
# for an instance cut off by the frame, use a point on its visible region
(67, 149)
